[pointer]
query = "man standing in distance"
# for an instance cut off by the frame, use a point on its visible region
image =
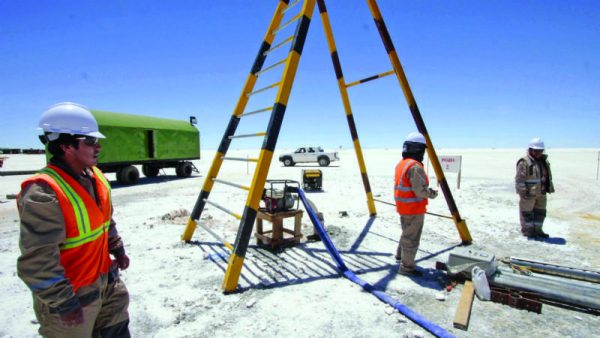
(532, 182)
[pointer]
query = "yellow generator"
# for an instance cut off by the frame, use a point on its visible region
(312, 179)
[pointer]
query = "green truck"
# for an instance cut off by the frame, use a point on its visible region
(152, 142)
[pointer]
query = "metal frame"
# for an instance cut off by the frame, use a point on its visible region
(284, 86)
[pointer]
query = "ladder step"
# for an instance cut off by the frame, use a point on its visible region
(290, 5)
(263, 89)
(240, 159)
(257, 111)
(219, 238)
(289, 22)
(223, 209)
(262, 133)
(231, 184)
(279, 45)
(370, 78)
(266, 69)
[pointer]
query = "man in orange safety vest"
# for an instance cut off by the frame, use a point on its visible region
(411, 192)
(67, 234)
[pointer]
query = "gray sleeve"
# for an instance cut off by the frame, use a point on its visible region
(418, 181)
(115, 242)
(520, 177)
(42, 230)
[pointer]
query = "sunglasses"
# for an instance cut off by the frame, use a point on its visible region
(88, 140)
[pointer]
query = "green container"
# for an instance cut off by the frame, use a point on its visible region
(152, 142)
(137, 139)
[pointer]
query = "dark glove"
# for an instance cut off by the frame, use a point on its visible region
(123, 261)
(432, 193)
(72, 317)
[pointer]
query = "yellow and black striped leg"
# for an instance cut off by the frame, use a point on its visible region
(460, 223)
(264, 161)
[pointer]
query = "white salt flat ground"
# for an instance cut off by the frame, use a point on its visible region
(175, 287)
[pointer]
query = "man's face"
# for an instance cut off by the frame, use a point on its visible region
(536, 153)
(85, 155)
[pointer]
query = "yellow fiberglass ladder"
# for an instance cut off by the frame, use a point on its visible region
(284, 85)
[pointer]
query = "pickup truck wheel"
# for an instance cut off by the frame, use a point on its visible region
(150, 170)
(323, 161)
(288, 162)
(184, 169)
(128, 175)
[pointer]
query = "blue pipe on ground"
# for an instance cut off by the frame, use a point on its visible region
(410, 314)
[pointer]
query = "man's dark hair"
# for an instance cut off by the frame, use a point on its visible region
(66, 139)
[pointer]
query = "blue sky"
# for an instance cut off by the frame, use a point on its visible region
(484, 73)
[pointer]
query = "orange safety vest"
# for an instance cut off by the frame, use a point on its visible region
(407, 203)
(84, 252)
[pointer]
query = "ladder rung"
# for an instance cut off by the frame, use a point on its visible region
(289, 22)
(271, 66)
(223, 209)
(232, 184)
(219, 238)
(289, 6)
(240, 159)
(370, 78)
(257, 111)
(262, 133)
(279, 45)
(263, 89)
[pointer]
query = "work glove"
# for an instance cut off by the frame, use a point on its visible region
(432, 193)
(122, 261)
(72, 317)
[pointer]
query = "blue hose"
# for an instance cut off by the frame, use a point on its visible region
(410, 314)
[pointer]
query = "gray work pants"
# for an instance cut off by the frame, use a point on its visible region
(412, 227)
(105, 314)
(532, 212)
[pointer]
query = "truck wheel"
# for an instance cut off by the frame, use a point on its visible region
(288, 162)
(150, 170)
(323, 161)
(184, 169)
(128, 175)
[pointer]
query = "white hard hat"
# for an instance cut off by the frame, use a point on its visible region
(537, 144)
(416, 138)
(69, 118)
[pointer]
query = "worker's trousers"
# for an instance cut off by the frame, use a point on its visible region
(412, 227)
(532, 212)
(104, 307)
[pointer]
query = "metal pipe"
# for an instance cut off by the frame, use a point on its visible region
(581, 295)
(558, 270)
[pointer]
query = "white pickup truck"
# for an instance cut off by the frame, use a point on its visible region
(307, 155)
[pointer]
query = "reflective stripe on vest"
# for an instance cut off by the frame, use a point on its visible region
(407, 202)
(86, 235)
(81, 215)
(534, 181)
(402, 187)
(84, 251)
(100, 176)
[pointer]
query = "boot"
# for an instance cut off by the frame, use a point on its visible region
(410, 273)
(527, 226)
(538, 221)
(529, 233)
(540, 233)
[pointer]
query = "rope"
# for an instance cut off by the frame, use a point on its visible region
(427, 212)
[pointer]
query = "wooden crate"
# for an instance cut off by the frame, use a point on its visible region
(275, 238)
